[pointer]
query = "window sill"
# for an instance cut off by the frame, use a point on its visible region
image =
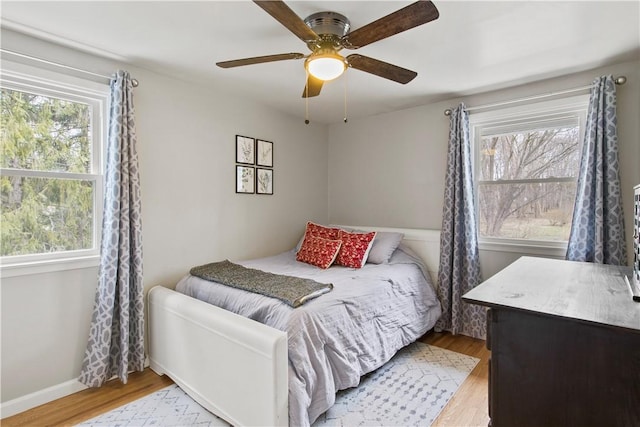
(539, 248)
(48, 266)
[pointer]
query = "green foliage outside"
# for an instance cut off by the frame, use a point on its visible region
(49, 213)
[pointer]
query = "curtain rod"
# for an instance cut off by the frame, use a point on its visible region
(134, 82)
(618, 80)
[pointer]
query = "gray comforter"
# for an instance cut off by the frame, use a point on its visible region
(336, 338)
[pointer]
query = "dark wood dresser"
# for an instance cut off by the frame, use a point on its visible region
(565, 345)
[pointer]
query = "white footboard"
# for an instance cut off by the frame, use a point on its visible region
(233, 366)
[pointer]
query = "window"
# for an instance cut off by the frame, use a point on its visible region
(526, 162)
(51, 170)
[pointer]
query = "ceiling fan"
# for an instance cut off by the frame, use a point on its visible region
(327, 33)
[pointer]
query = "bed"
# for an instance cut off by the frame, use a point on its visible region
(254, 360)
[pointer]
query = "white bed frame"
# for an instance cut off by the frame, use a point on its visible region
(235, 367)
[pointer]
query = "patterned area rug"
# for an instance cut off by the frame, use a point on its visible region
(409, 390)
(167, 407)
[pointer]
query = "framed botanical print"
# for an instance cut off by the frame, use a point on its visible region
(245, 150)
(264, 181)
(264, 156)
(245, 179)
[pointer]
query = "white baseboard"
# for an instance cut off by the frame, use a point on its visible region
(40, 397)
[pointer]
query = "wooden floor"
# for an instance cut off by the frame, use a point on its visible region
(468, 407)
(89, 403)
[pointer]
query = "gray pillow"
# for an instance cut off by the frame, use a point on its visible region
(385, 243)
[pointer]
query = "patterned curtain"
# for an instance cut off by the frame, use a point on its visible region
(116, 336)
(459, 269)
(597, 231)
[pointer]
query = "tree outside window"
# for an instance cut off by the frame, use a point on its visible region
(526, 169)
(48, 183)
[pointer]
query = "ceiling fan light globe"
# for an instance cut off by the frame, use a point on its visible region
(326, 67)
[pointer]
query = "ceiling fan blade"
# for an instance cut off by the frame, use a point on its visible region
(312, 88)
(259, 60)
(401, 20)
(287, 17)
(381, 68)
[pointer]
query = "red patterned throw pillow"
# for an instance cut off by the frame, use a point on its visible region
(318, 251)
(321, 231)
(355, 248)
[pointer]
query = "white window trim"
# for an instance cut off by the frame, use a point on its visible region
(524, 247)
(27, 78)
(508, 118)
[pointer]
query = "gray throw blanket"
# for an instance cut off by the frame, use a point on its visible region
(294, 291)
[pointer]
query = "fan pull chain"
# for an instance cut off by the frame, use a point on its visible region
(306, 99)
(345, 97)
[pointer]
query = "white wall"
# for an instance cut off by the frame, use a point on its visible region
(389, 170)
(191, 213)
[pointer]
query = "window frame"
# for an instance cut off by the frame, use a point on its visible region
(26, 78)
(516, 118)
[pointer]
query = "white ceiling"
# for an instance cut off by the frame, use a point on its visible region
(473, 47)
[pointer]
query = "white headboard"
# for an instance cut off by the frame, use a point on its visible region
(426, 243)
